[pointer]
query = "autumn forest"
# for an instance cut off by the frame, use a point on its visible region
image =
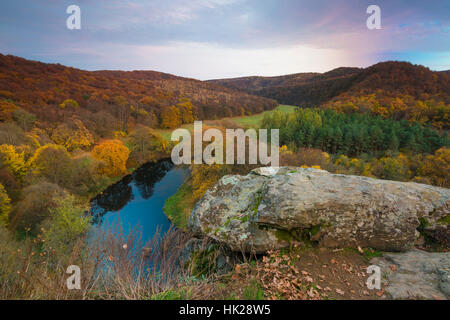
(66, 134)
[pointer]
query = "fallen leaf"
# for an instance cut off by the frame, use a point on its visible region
(339, 291)
(380, 293)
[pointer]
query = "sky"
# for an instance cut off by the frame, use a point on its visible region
(211, 39)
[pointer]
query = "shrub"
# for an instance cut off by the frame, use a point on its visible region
(34, 206)
(5, 206)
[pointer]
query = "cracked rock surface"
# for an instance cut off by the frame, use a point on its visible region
(271, 207)
(415, 274)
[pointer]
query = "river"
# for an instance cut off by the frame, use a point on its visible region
(138, 199)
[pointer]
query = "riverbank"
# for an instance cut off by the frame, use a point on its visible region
(178, 207)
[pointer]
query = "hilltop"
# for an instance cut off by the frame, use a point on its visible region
(311, 89)
(305, 89)
(37, 87)
(398, 90)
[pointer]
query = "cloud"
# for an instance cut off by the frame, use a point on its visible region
(207, 61)
(231, 37)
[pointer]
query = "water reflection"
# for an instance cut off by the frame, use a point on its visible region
(138, 199)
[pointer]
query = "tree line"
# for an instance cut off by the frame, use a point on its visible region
(352, 134)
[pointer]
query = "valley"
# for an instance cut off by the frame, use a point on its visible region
(80, 146)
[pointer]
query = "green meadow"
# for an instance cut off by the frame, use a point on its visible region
(252, 121)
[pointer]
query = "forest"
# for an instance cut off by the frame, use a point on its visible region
(398, 90)
(301, 89)
(353, 134)
(67, 134)
(364, 144)
(65, 131)
(136, 97)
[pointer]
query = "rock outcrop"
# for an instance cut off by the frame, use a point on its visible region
(415, 274)
(272, 207)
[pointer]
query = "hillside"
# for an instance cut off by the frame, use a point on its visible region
(305, 89)
(392, 76)
(402, 78)
(64, 129)
(39, 87)
(68, 134)
(399, 90)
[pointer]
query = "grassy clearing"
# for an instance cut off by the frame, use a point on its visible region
(254, 121)
(167, 133)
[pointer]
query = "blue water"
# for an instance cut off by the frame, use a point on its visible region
(138, 199)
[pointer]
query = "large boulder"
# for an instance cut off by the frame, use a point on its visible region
(272, 207)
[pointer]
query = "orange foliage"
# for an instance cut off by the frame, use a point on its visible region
(49, 85)
(437, 167)
(6, 110)
(114, 156)
(398, 107)
(170, 118)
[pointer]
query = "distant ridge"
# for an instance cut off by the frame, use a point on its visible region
(314, 89)
(36, 86)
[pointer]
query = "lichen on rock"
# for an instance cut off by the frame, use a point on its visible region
(248, 212)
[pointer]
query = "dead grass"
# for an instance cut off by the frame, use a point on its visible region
(114, 265)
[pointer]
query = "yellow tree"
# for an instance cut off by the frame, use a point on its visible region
(170, 118)
(73, 136)
(113, 155)
(5, 206)
(6, 109)
(13, 160)
(186, 111)
(204, 177)
(437, 167)
(67, 105)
